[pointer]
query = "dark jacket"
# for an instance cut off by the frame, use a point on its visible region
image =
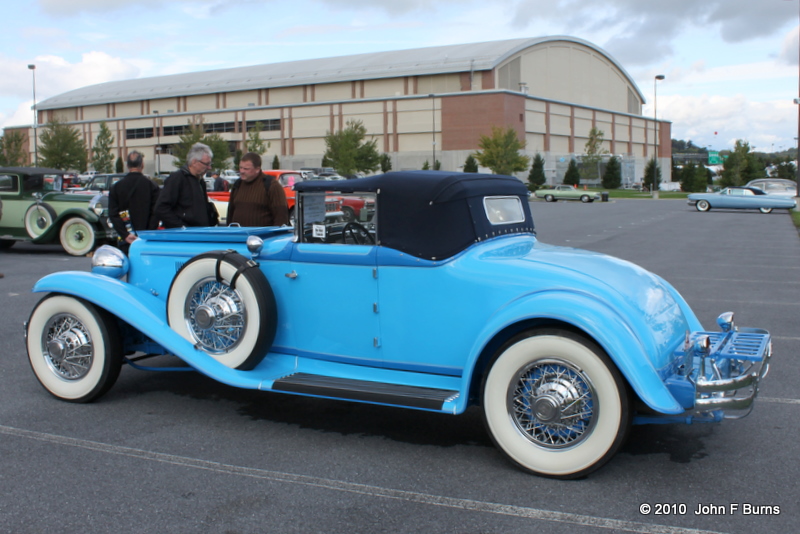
(184, 202)
(138, 194)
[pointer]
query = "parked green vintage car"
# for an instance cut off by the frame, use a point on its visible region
(36, 209)
(566, 192)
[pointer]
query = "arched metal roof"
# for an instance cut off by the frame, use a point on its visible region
(396, 63)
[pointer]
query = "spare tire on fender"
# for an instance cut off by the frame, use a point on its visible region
(222, 303)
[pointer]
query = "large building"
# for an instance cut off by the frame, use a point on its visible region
(421, 105)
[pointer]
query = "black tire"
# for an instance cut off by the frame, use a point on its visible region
(232, 319)
(555, 404)
(765, 210)
(74, 348)
(38, 219)
(585, 199)
(348, 214)
(703, 205)
(549, 198)
(77, 236)
(7, 243)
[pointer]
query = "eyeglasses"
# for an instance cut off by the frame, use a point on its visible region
(207, 164)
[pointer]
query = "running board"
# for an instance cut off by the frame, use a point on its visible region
(363, 391)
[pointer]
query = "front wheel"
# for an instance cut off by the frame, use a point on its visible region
(702, 205)
(549, 198)
(74, 348)
(77, 236)
(555, 404)
(765, 210)
(585, 199)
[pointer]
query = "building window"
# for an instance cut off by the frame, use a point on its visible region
(267, 125)
(220, 127)
(175, 130)
(138, 133)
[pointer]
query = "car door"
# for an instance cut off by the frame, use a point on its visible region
(333, 311)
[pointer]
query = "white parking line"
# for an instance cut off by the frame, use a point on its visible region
(350, 487)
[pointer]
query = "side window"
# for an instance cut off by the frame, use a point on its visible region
(503, 210)
(339, 218)
(9, 183)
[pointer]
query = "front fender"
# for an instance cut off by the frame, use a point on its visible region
(613, 332)
(55, 228)
(145, 313)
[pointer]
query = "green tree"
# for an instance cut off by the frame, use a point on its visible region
(102, 157)
(386, 163)
(192, 134)
(741, 166)
(536, 177)
(13, 152)
(470, 165)
(61, 147)
(195, 133)
(652, 175)
(120, 165)
(426, 166)
(693, 178)
(786, 170)
(594, 155)
(348, 150)
(612, 176)
(326, 162)
(254, 141)
(276, 163)
(500, 151)
(573, 175)
(437, 165)
(221, 150)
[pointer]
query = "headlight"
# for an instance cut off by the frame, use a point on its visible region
(99, 204)
(110, 261)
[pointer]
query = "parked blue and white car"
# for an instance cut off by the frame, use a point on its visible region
(747, 198)
(439, 299)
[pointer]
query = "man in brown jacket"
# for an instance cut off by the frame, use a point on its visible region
(256, 199)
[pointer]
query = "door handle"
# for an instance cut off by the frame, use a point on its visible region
(292, 275)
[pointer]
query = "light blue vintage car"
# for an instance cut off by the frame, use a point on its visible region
(747, 198)
(438, 299)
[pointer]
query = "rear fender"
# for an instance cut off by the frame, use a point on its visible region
(613, 332)
(147, 314)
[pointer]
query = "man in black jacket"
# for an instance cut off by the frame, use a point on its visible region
(132, 202)
(184, 199)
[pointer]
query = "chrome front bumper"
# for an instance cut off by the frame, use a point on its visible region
(726, 367)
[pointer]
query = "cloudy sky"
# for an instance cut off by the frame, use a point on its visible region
(731, 66)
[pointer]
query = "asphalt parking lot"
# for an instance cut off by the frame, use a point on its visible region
(181, 453)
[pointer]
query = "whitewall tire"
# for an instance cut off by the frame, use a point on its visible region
(77, 236)
(555, 404)
(38, 219)
(224, 305)
(74, 348)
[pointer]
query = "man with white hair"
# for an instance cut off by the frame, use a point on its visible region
(184, 200)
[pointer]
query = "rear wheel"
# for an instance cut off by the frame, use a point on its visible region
(74, 348)
(77, 236)
(549, 198)
(585, 199)
(703, 205)
(38, 219)
(765, 210)
(555, 404)
(6, 243)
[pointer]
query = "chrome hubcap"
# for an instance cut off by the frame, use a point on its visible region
(215, 316)
(67, 347)
(553, 404)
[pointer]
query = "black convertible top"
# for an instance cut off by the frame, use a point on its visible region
(433, 214)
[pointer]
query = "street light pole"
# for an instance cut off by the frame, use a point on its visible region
(433, 130)
(32, 68)
(654, 185)
(158, 144)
